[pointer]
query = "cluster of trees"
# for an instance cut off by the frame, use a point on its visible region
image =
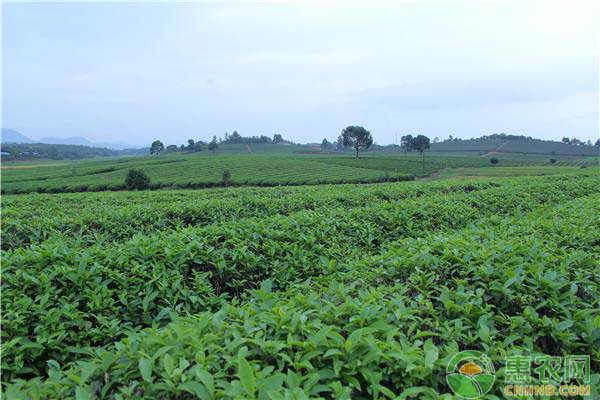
(326, 145)
(236, 138)
(157, 147)
(192, 146)
(501, 136)
(577, 142)
(30, 151)
(418, 143)
(504, 136)
(360, 139)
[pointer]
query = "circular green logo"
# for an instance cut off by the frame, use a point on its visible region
(470, 374)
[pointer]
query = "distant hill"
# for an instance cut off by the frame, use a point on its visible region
(502, 143)
(81, 141)
(10, 136)
(32, 151)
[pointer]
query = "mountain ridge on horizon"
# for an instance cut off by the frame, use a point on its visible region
(13, 136)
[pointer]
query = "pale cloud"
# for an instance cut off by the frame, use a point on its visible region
(304, 68)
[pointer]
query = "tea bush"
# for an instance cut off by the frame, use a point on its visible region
(93, 217)
(197, 171)
(331, 291)
(137, 180)
(378, 328)
(32, 219)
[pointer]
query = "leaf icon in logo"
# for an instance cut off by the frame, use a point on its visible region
(485, 382)
(463, 385)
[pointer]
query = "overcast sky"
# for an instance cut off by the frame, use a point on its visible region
(140, 71)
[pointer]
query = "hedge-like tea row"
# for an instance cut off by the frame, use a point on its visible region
(193, 171)
(196, 171)
(31, 219)
(379, 328)
(55, 296)
(90, 217)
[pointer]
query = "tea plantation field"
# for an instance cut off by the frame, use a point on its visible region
(193, 170)
(332, 291)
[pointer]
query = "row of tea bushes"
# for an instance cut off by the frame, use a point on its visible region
(381, 327)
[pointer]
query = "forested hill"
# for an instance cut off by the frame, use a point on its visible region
(33, 151)
(502, 143)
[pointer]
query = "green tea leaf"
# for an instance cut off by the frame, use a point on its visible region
(145, 367)
(246, 375)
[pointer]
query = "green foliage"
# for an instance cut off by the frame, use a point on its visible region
(277, 138)
(236, 138)
(336, 291)
(383, 326)
(493, 161)
(33, 151)
(172, 149)
(356, 137)
(157, 147)
(92, 291)
(213, 145)
(136, 180)
(109, 217)
(515, 144)
(189, 171)
(226, 177)
(419, 143)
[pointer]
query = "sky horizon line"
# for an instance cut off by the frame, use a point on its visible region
(290, 139)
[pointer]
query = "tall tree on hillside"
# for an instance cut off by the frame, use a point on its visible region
(597, 143)
(235, 137)
(199, 146)
(420, 144)
(277, 138)
(406, 142)
(213, 145)
(566, 140)
(157, 147)
(325, 145)
(357, 138)
(191, 145)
